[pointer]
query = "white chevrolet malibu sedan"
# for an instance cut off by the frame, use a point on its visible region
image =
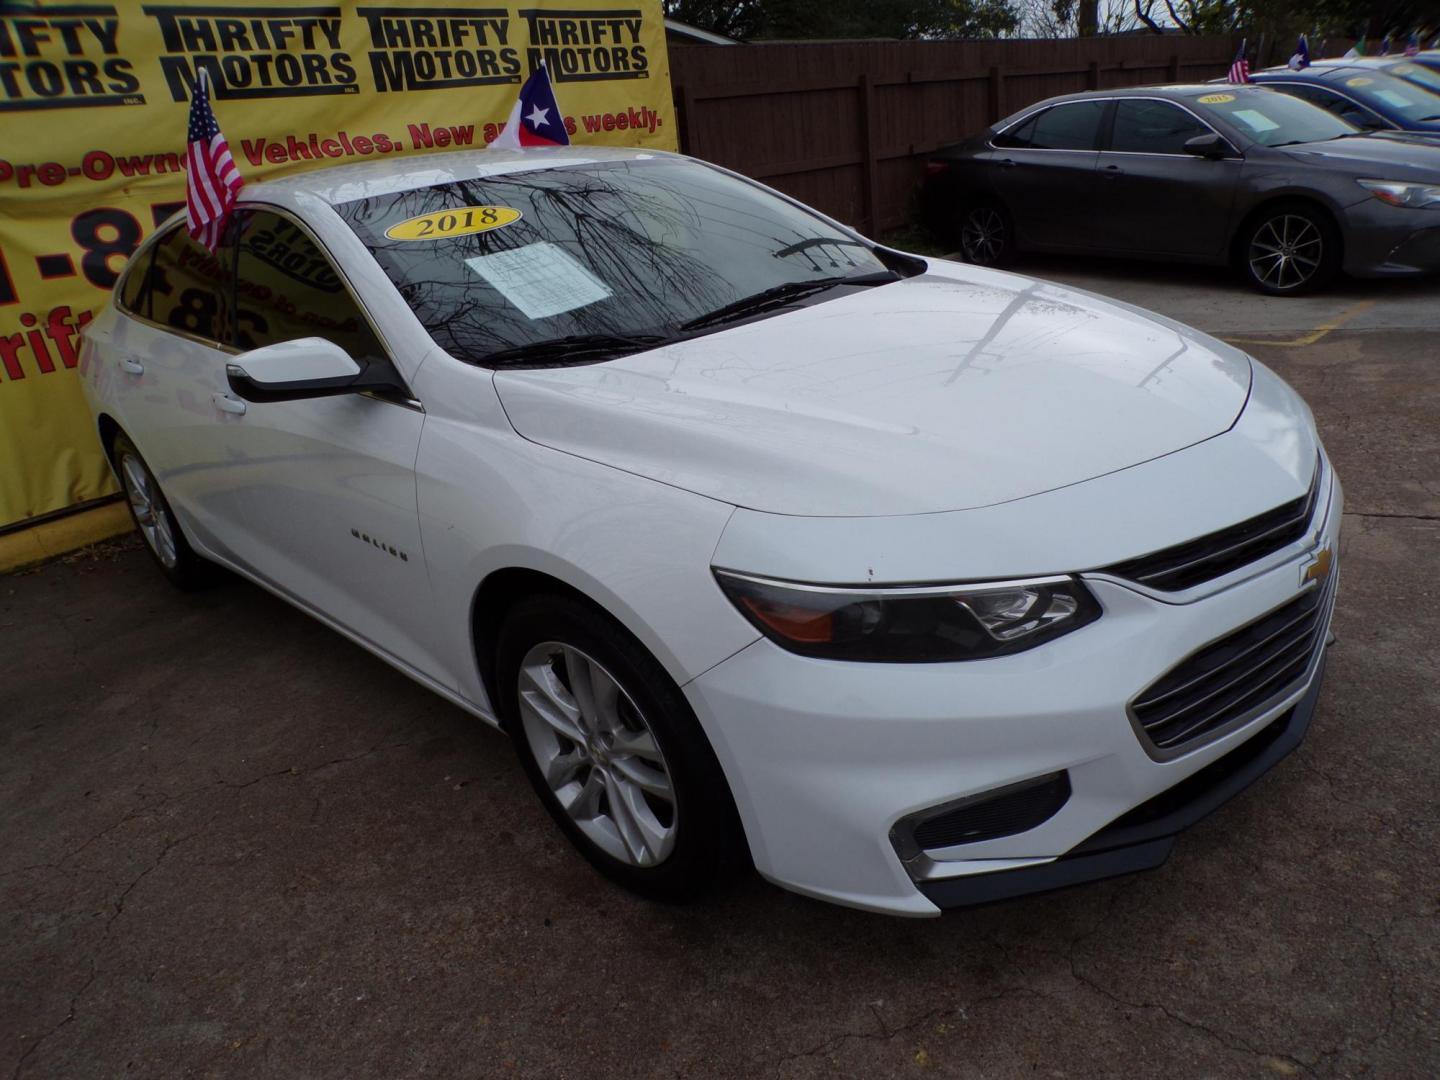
(914, 584)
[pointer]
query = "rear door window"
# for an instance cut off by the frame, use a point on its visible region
(1074, 125)
(188, 288)
(1153, 127)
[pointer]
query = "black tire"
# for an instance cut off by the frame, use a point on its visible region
(1289, 249)
(986, 234)
(156, 522)
(707, 844)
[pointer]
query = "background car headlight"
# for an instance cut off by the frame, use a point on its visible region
(1400, 193)
(922, 624)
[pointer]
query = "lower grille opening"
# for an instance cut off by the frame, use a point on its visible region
(993, 814)
(1234, 676)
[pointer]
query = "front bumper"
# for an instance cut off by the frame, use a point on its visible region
(825, 758)
(1391, 241)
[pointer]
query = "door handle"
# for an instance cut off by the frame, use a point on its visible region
(1006, 163)
(131, 367)
(1110, 172)
(226, 403)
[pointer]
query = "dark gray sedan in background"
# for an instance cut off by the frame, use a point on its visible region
(1285, 191)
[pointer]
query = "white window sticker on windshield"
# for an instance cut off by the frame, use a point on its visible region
(1390, 97)
(1255, 121)
(540, 279)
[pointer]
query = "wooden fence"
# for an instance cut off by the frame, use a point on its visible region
(846, 126)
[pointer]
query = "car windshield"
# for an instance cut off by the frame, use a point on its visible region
(522, 266)
(1388, 93)
(1274, 119)
(1418, 74)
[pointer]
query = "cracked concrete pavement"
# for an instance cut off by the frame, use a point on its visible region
(237, 845)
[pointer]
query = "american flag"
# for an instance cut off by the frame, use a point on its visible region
(1412, 47)
(213, 181)
(1239, 67)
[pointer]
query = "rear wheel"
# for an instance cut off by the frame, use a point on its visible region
(1289, 249)
(156, 522)
(987, 236)
(614, 751)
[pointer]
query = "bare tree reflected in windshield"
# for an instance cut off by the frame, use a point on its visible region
(669, 240)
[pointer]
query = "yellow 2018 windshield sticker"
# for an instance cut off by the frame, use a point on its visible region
(1215, 99)
(458, 222)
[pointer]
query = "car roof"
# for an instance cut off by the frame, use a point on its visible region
(1171, 91)
(387, 175)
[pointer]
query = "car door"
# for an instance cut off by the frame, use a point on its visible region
(170, 353)
(1043, 170)
(325, 487)
(1151, 197)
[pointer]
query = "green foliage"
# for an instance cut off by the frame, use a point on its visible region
(749, 19)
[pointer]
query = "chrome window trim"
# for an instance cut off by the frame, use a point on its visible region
(1238, 153)
(990, 139)
(163, 234)
(339, 269)
(157, 238)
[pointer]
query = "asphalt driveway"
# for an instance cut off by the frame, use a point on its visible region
(236, 845)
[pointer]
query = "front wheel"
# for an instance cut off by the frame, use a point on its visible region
(1289, 249)
(614, 751)
(156, 522)
(987, 235)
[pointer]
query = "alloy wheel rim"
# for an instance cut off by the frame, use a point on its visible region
(144, 499)
(1285, 251)
(598, 754)
(983, 236)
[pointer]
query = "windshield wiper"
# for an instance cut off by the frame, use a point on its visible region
(782, 295)
(575, 348)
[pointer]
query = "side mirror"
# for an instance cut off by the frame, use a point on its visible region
(1209, 146)
(293, 370)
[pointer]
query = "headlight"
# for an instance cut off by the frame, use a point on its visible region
(920, 624)
(1400, 193)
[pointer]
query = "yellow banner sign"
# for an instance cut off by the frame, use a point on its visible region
(94, 99)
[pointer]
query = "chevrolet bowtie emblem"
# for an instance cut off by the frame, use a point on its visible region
(1318, 568)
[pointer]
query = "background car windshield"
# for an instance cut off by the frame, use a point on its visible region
(1416, 73)
(618, 248)
(1379, 89)
(1273, 119)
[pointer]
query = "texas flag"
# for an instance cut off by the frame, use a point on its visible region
(535, 120)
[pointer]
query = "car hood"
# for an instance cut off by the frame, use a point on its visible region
(1411, 151)
(959, 388)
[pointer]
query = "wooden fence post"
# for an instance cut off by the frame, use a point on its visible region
(1174, 70)
(685, 137)
(997, 94)
(869, 155)
(1092, 80)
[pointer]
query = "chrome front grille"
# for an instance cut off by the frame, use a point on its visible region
(1237, 676)
(1195, 562)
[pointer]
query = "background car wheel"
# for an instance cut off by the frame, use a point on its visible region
(987, 236)
(614, 750)
(1289, 249)
(156, 521)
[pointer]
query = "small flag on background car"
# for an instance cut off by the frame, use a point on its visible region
(535, 120)
(211, 181)
(1358, 49)
(1239, 67)
(1301, 58)
(1412, 47)
(1385, 45)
